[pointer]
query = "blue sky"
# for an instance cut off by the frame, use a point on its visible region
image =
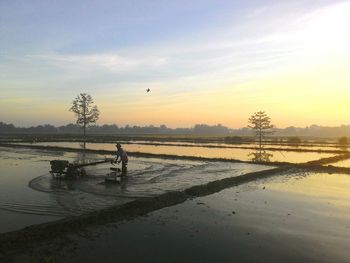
(192, 54)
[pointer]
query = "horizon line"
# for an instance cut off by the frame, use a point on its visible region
(158, 126)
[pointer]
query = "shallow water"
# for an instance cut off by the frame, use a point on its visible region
(20, 205)
(342, 163)
(295, 217)
(303, 146)
(227, 153)
(29, 194)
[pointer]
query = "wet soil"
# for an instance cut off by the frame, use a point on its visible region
(35, 238)
(297, 217)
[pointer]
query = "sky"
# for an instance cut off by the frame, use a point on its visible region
(205, 61)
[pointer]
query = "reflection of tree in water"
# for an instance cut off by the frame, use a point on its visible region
(81, 155)
(343, 147)
(260, 155)
(343, 143)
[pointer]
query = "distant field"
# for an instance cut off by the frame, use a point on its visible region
(220, 138)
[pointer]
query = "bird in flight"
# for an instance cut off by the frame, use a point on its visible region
(148, 90)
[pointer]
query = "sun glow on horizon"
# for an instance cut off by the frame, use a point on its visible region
(293, 65)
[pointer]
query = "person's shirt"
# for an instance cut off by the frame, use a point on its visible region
(122, 154)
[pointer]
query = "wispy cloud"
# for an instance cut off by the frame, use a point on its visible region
(110, 62)
(265, 40)
(217, 54)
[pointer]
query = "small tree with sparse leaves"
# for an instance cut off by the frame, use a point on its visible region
(85, 111)
(261, 124)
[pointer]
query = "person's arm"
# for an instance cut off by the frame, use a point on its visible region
(118, 155)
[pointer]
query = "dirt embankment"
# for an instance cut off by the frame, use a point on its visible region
(333, 148)
(317, 165)
(31, 236)
(139, 154)
(329, 159)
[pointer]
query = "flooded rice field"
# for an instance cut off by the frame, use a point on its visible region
(297, 217)
(29, 194)
(242, 204)
(342, 163)
(250, 154)
(301, 146)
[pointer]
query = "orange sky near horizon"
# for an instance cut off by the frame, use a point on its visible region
(295, 66)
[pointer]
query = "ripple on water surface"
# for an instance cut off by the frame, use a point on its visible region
(28, 190)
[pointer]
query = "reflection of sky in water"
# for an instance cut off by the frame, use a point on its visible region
(303, 146)
(288, 218)
(304, 211)
(49, 199)
(343, 163)
(332, 189)
(228, 153)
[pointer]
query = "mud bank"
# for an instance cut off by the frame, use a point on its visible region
(266, 147)
(300, 217)
(30, 195)
(326, 169)
(189, 138)
(250, 146)
(37, 234)
(141, 154)
(315, 165)
(332, 159)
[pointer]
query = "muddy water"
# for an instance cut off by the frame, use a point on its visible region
(29, 194)
(158, 176)
(228, 153)
(17, 168)
(21, 206)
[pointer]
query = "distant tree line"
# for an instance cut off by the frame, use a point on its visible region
(110, 129)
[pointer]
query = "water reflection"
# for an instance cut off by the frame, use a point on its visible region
(343, 147)
(342, 163)
(260, 156)
(121, 185)
(66, 185)
(228, 153)
(81, 155)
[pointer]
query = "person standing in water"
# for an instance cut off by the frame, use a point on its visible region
(123, 158)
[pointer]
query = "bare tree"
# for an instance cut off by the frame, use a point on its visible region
(85, 111)
(261, 124)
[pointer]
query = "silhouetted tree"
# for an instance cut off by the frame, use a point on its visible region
(261, 124)
(84, 110)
